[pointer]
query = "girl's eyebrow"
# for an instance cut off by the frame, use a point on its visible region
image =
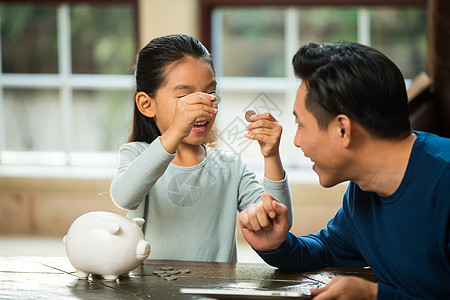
(182, 87)
(212, 83)
(189, 87)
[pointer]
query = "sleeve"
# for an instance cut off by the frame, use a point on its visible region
(332, 246)
(386, 292)
(137, 173)
(280, 190)
(250, 189)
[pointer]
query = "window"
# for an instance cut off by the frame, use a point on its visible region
(66, 83)
(253, 45)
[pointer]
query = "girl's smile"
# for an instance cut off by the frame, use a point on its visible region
(200, 126)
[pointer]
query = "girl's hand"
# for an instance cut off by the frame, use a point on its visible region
(265, 129)
(265, 224)
(190, 109)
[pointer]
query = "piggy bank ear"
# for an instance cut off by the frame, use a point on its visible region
(139, 221)
(114, 228)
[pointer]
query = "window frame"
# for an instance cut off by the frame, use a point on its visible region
(65, 82)
(207, 7)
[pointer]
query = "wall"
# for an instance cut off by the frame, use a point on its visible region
(161, 17)
(47, 206)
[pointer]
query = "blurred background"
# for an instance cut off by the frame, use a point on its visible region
(67, 92)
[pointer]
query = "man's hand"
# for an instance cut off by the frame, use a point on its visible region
(347, 287)
(265, 224)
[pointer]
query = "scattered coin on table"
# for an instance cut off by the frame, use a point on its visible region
(248, 114)
(167, 272)
(158, 272)
(170, 278)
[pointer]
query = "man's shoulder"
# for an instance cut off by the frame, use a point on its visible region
(434, 146)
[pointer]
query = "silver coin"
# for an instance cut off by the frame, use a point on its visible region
(218, 98)
(163, 274)
(172, 272)
(170, 278)
(184, 271)
(158, 272)
(166, 268)
(248, 114)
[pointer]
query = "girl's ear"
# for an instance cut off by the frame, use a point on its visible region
(145, 104)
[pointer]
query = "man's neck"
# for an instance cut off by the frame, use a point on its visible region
(382, 165)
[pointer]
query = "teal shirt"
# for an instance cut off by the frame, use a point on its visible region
(190, 212)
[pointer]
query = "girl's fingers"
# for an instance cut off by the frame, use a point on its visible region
(199, 96)
(195, 111)
(263, 116)
(262, 123)
(263, 218)
(252, 218)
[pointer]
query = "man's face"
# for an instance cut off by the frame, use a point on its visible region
(319, 145)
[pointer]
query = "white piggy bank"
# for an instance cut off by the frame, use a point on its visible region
(105, 244)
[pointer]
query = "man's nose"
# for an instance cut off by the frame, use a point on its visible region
(297, 138)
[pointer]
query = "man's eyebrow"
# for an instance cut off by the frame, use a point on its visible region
(294, 114)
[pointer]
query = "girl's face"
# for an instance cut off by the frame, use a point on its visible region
(183, 78)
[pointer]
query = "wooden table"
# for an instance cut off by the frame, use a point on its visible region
(55, 278)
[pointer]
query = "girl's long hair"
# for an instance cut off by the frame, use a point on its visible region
(150, 72)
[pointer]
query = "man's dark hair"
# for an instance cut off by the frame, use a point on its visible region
(355, 80)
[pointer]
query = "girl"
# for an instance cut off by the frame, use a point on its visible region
(188, 192)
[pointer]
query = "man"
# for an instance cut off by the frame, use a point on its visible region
(352, 115)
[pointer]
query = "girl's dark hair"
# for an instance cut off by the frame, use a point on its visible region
(355, 80)
(151, 70)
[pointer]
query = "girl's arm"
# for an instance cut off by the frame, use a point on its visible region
(140, 166)
(265, 129)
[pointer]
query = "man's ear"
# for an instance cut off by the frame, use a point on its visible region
(344, 128)
(145, 104)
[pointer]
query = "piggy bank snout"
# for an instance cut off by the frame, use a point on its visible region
(143, 249)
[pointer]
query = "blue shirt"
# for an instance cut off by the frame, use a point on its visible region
(404, 238)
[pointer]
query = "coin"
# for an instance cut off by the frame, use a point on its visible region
(159, 272)
(166, 268)
(248, 114)
(218, 98)
(163, 274)
(172, 272)
(170, 278)
(184, 271)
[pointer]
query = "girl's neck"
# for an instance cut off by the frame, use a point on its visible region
(189, 155)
